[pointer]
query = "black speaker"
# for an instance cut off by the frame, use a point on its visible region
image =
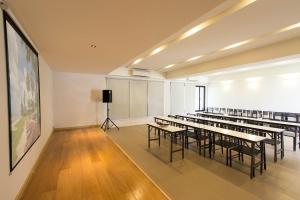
(106, 96)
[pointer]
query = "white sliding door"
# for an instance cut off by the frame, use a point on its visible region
(155, 98)
(177, 98)
(119, 108)
(190, 97)
(138, 98)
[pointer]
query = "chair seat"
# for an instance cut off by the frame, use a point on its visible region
(225, 143)
(245, 150)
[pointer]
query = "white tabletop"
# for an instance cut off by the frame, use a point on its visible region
(169, 128)
(236, 134)
(252, 119)
(252, 126)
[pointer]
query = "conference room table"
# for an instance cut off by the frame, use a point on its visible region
(254, 140)
(173, 131)
(275, 133)
(259, 120)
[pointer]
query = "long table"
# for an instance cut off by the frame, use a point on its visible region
(252, 139)
(284, 124)
(172, 130)
(276, 133)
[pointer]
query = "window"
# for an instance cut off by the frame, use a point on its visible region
(199, 98)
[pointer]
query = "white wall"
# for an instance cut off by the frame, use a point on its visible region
(275, 89)
(10, 184)
(77, 99)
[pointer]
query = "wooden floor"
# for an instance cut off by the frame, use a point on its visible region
(86, 164)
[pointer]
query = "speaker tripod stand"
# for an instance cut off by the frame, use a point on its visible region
(105, 126)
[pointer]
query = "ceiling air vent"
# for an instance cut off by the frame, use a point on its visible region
(137, 72)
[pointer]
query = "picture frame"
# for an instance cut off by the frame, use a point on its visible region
(23, 91)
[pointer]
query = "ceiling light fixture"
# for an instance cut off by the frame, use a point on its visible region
(290, 27)
(193, 58)
(93, 46)
(169, 66)
(235, 45)
(157, 50)
(137, 61)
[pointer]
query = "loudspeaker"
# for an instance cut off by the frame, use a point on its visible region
(106, 96)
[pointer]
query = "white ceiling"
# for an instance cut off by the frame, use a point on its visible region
(258, 20)
(63, 30)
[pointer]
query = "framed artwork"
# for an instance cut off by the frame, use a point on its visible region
(23, 91)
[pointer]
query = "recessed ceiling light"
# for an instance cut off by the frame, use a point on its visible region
(169, 66)
(157, 50)
(193, 58)
(137, 61)
(290, 27)
(193, 30)
(235, 45)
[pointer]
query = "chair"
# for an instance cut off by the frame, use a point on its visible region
(244, 113)
(249, 113)
(278, 116)
(266, 114)
(223, 111)
(254, 114)
(291, 131)
(239, 112)
(230, 111)
(224, 142)
(244, 149)
(209, 110)
(216, 110)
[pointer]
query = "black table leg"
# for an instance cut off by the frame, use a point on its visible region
(182, 142)
(252, 170)
(275, 147)
(282, 145)
(171, 152)
(148, 137)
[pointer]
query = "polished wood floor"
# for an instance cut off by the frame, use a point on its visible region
(86, 164)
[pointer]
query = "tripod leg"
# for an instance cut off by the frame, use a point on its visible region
(113, 123)
(103, 124)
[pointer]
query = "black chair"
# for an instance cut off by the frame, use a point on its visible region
(249, 113)
(230, 111)
(244, 113)
(209, 110)
(223, 111)
(267, 115)
(289, 130)
(278, 116)
(239, 112)
(216, 110)
(244, 149)
(224, 142)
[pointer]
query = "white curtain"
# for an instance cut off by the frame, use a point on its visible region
(189, 98)
(155, 98)
(119, 108)
(138, 98)
(177, 98)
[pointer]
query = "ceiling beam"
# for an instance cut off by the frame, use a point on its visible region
(277, 50)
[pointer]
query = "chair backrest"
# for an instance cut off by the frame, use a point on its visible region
(244, 113)
(249, 113)
(254, 114)
(259, 114)
(266, 114)
(216, 110)
(278, 116)
(230, 111)
(239, 112)
(290, 117)
(210, 109)
(223, 110)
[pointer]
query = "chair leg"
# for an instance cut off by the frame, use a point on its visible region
(294, 143)
(227, 156)
(230, 156)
